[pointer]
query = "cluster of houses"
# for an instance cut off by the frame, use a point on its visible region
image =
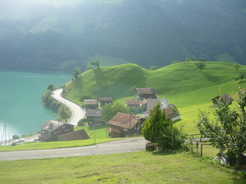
(121, 125)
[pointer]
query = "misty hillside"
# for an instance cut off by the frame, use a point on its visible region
(36, 35)
(182, 82)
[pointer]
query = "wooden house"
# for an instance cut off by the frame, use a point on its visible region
(76, 135)
(105, 101)
(51, 129)
(91, 104)
(153, 102)
(145, 93)
(133, 102)
(172, 114)
(94, 117)
(124, 125)
(225, 99)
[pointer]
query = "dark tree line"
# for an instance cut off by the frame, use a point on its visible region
(145, 32)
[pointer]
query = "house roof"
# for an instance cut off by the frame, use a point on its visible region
(153, 102)
(90, 102)
(93, 112)
(123, 120)
(226, 98)
(144, 101)
(76, 135)
(170, 113)
(105, 99)
(55, 124)
(133, 102)
(146, 91)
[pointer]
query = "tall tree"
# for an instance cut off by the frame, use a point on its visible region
(200, 66)
(95, 63)
(159, 129)
(76, 72)
(236, 66)
(63, 113)
(228, 129)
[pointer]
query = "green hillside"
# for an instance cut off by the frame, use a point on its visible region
(182, 84)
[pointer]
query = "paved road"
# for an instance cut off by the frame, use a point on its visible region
(117, 146)
(77, 112)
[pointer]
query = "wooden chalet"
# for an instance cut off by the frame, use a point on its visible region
(94, 117)
(225, 99)
(124, 125)
(145, 93)
(133, 103)
(153, 102)
(172, 114)
(91, 104)
(51, 129)
(76, 135)
(105, 101)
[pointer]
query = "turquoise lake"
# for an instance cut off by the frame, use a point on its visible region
(21, 108)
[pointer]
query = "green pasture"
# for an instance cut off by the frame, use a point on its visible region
(182, 84)
(138, 167)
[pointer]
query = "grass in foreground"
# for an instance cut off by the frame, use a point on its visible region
(138, 167)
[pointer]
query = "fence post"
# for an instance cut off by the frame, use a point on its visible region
(201, 149)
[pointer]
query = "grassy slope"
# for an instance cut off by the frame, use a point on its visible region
(138, 167)
(182, 84)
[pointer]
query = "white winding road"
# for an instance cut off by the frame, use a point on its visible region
(77, 112)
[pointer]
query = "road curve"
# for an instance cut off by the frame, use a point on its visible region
(118, 146)
(77, 112)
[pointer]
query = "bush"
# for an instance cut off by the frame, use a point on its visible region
(15, 137)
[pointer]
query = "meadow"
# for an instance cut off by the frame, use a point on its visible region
(189, 89)
(139, 167)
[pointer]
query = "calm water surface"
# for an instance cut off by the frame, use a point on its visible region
(21, 108)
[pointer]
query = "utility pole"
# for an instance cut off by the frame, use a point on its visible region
(129, 132)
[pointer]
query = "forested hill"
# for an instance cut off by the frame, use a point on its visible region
(40, 36)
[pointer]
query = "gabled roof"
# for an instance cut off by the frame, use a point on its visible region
(170, 113)
(54, 124)
(133, 102)
(90, 102)
(153, 102)
(144, 102)
(225, 98)
(94, 112)
(123, 120)
(146, 91)
(105, 99)
(76, 135)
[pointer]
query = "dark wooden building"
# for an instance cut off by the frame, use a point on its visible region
(105, 101)
(51, 129)
(94, 117)
(145, 93)
(225, 99)
(91, 104)
(76, 135)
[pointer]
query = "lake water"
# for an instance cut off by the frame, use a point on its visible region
(21, 108)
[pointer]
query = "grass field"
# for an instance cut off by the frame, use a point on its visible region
(189, 89)
(139, 167)
(181, 84)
